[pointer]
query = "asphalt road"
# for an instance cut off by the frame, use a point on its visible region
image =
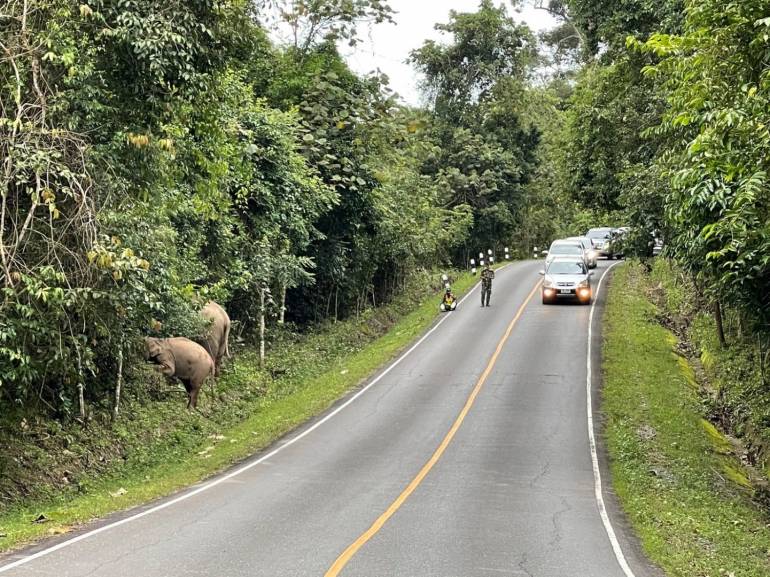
(512, 492)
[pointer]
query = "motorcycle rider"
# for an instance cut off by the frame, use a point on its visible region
(448, 299)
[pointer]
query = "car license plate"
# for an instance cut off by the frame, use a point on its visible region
(565, 291)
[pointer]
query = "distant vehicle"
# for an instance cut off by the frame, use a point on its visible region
(607, 241)
(588, 247)
(564, 247)
(602, 239)
(566, 278)
(620, 241)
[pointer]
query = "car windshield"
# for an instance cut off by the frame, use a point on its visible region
(598, 234)
(559, 267)
(586, 242)
(566, 249)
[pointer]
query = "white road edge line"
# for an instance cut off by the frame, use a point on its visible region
(592, 442)
(205, 487)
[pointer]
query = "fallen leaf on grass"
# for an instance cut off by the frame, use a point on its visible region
(58, 530)
(205, 452)
(41, 519)
(119, 492)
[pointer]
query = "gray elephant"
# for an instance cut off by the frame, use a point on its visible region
(182, 358)
(215, 340)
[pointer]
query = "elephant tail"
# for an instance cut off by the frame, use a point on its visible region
(227, 340)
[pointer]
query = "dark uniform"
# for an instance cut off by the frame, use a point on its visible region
(486, 285)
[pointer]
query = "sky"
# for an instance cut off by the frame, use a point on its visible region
(386, 46)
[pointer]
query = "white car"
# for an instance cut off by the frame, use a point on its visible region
(591, 253)
(564, 247)
(566, 278)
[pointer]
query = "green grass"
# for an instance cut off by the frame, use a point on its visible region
(684, 491)
(738, 398)
(157, 448)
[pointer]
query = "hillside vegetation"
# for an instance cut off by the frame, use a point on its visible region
(158, 155)
(666, 131)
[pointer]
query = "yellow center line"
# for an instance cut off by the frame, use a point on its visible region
(353, 548)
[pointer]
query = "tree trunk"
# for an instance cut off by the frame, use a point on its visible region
(82, 401)
(118, 385)
(720, 324)
(261, 326)
(282, 314)
(762, 360)
(81, 386)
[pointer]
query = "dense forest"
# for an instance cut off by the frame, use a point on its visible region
(158, 155)
(668, 126)
(666, 131)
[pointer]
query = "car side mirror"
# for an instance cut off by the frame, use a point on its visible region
(542, 273)
(544, 252)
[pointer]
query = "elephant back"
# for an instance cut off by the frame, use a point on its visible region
(215, 339)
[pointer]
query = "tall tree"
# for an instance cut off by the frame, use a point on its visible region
(311, 22)
(475, 83)
(718, 209)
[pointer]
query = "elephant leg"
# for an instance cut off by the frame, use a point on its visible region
(192, 396)
(221, 354)
(195, 385)
(211, 383)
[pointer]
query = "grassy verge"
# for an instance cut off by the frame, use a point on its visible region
(738, 396)
(677, 478)
(157, 448)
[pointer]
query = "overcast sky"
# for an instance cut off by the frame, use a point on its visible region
(386, 46)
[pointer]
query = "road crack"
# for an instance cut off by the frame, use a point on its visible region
(543, 473)
(522, 565)
(555, 520)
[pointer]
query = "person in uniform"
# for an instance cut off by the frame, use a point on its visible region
(487, 275)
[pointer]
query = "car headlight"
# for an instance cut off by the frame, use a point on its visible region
(583, 284)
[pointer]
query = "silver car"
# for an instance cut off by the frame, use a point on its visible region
(564, 247)
(588, 246)
(602, 239)
(566, 278)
